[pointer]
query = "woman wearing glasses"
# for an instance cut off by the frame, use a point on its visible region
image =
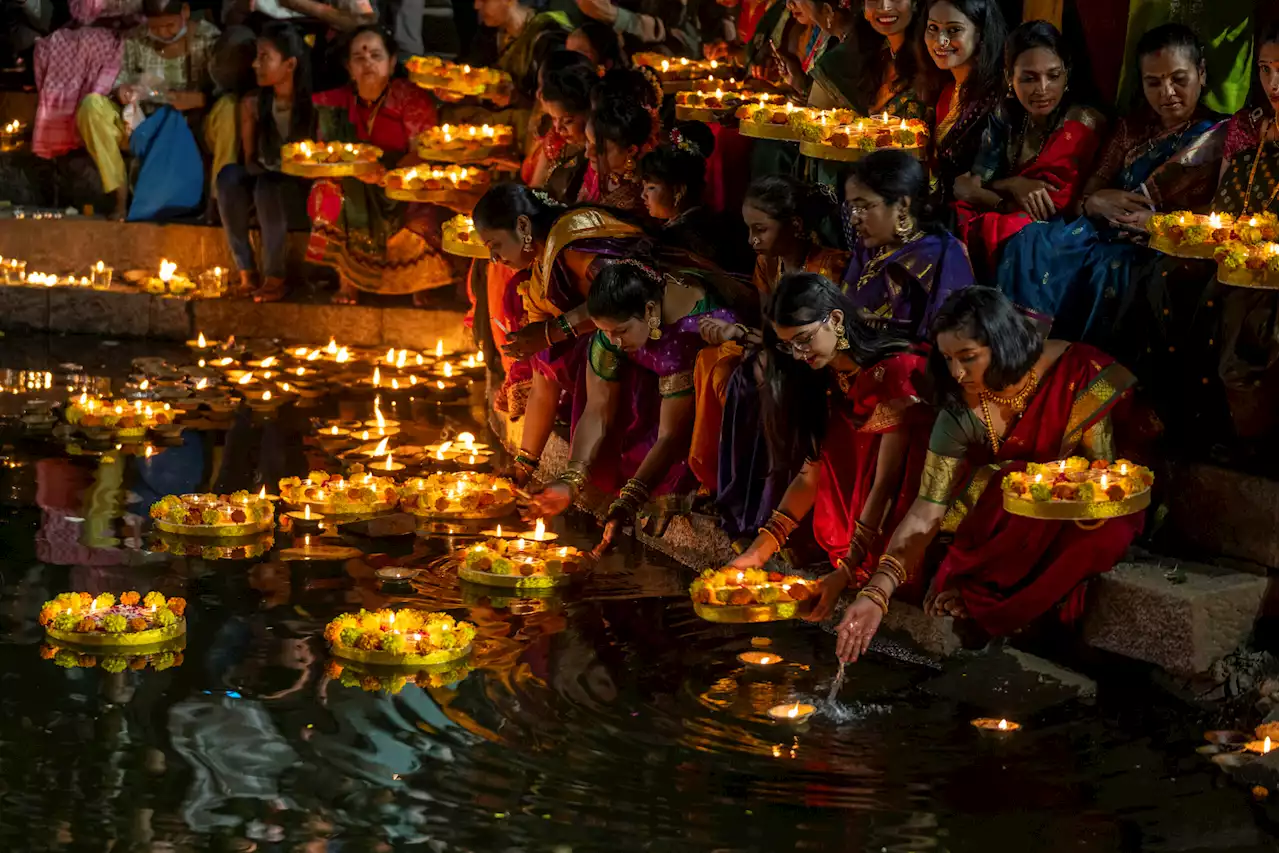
(902, 267)
(848, 404)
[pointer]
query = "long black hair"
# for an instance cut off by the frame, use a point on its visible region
(622, 288)
(1265, 32)
(985, 315)
(623, 121)
(871, 49)
(784, 198)
(682, 162)
(288, 42)
(793, 406)
(986, 77)
(500, 207)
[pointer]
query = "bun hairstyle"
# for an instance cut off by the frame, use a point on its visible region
(500, 207)
(623, 289)
(895, 175)
(784, 198)
(568, 79)
(682, 160)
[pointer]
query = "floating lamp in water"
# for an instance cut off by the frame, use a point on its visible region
(796, 713)
(305, 522)
(539, 533)
(759, 659)
(498, 533)
(991, 724)
(1260, 747)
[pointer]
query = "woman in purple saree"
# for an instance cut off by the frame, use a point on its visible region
(633, 402)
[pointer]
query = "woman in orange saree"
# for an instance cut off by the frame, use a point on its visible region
(1013, 398)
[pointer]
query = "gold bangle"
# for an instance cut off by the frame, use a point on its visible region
(894, 568)
(573, 477)
(787, 524)
(767, 532)
(876, 596)
(842, 566)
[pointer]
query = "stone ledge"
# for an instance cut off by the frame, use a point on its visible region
(1216, 511)
(1135, 611)
(126, 312)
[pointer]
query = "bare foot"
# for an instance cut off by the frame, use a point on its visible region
(273, 290)
(949, 602)
(346, 295)
(248, 283)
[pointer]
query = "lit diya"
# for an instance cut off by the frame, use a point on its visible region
(1184, 234)
(237, 514)
(310, 159)
(130, 620)
(759, 659)
(1243, 265)
(539, 533)
(432, 72)
(797, 712)
(992, 724)
(855, 140)
(124, 418)
(359, 492)
(749, 595)
(768, 117)
(305, 522)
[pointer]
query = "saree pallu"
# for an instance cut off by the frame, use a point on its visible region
(1010, 569)
(957, 135)
(1076, 276)
(882, 399)
(661, 369)
(903, 290)
(1063, 164)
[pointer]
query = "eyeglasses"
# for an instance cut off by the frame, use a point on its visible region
(802, 342)
(859, 209)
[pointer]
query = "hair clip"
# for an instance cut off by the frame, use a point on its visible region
(644, 268)
(829, 192)
(547, 201)
(679, 142)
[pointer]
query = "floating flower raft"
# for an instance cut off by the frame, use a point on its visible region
(333, 494)
(81, 619)
(1075, 489)
(400, 638)
(458, 495)
(520, 563)
(238, 514)
(309, 159)
(750, 595)
(459, 237)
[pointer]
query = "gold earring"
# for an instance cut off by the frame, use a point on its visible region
(654, 331)
(905, 226)
(528, 242)
(841, 341)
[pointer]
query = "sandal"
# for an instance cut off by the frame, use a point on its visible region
(273, 290)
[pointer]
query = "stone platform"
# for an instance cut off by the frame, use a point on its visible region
(1181, 621)
(72, 246)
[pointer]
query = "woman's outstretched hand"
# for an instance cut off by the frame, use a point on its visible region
(554, 499)
(525, 341)
(829, 589)
(860, 623)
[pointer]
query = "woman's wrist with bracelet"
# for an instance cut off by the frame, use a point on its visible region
(574, 477)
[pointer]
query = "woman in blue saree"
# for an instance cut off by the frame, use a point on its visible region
(1075, 275)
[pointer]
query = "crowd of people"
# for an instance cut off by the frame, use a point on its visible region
(907, 331)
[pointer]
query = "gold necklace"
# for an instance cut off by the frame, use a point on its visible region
(1017, 402)
(1253, 171)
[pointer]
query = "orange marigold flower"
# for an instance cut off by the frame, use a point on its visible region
(85, 626)
(46, 616)
(177, 658)
(88, 661)
(178, 606)
(371, 683)
(333, 669)
(137, 623)
(130, 598)
(47, 652)
(86, 597)
(138, 662)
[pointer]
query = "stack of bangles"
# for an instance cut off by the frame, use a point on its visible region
(526, 463)
(631, 497)
(892, 567)
(575, 477)
(864, 540)
(779, 527)
(565, 326)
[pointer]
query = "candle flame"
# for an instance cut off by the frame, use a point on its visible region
(203, 383)
(499, 531)
(332, 347)
(1004, 725)
(539, 531)
(377, 376)
(389, 459)
(377, 416)
(794, 710)
(391, 356)
(1266, 745)
(441, 450)
(167, 270)
(200, 341)
(306, 511)
(269, 361)
(382, 448)
(1124, 469)
(400, 359)
(263, 493)
(266, 395)
(313, 355)
(247, 378)
(439, 348)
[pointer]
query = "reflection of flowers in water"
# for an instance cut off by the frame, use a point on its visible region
(350, 674)
(73, 659)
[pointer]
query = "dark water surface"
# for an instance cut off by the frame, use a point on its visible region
(605, 718)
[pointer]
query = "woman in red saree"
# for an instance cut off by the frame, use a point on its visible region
(850, 401)
(1035, 153)
(1016, 399)
(374, 243)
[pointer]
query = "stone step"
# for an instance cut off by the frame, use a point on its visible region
(1181, 620)
(125, 312)
(1219, 512)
